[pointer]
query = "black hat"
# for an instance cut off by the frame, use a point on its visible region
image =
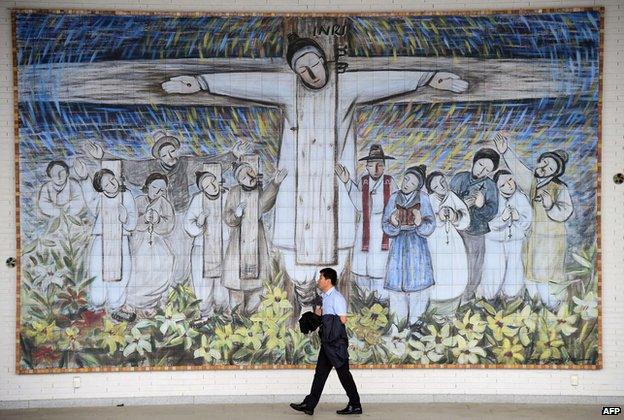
(560, 156)
(295, 43)
(376, 153)
(487, 153)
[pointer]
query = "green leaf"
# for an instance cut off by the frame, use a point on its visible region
(56, 223)
(582, 261)
(89, 360)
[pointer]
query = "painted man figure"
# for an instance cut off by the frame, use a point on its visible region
(204, 223)
(180, 172)
(318, 103)
(479, 193)
(369, 197)
(409, 219)
(503, 272)
(61, 194)
(106, 292)
(545, 250)
(245, 290)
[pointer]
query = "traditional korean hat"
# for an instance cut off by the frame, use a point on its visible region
(298, 46)
(559, 156)
(376, 153)
(161, 139)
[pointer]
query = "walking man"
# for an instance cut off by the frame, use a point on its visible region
(334, 343)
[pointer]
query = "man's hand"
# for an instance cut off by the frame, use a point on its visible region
(123, 213)
(280, 176)
(448, 81)
(546, 199)
(417, 217)
(318, 310)
(394, 219)
(152, 216)
(479, 199)
(80, 168)
(342, 172)
(506, 214)
(501, 141)
(515, 215)
(243, 147)
(182, 84)
(201, 219)
(94, 150)
(240, 209)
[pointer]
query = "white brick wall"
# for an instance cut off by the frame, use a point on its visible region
(458, 383)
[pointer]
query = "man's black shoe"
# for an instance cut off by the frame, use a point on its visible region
(351, 409)
(303, 407)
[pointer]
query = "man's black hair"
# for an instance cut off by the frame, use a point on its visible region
(330, 273)
(57, 163)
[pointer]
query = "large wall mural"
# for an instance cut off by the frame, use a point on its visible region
(182, 179)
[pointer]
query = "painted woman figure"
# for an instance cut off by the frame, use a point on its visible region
(109, 294)
(448, 251)
(153, 257)
(545, 250)
(408, 220)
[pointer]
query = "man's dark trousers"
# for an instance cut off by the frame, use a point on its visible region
(323, 367)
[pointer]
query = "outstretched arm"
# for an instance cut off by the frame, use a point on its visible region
(369, 86)
(271, 87)
(522, 173)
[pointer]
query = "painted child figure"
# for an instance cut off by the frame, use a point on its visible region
(409, 219)
(370, 196)
(503, 272)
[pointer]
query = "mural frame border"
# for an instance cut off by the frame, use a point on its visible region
(469, 12)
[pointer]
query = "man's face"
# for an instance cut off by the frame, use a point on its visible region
(482, 168)
(375, 168)
(157, 189)
(311, 69)
(439, 185)
(323, 283)
(545, 167)
(506, 185)
(168, 155)
(58, 175)
(410, 183)
(209, 185)
(247, 177)
(110, 185)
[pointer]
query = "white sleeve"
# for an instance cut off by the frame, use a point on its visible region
(130, 205)
(271, 87)
(190, 219)
(562, 206)
(369, 86)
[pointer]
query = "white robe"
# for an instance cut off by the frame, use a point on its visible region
(51, 201)
(279, 89)
(448, 252)
(502, 267)
(371, 263)
(210, 290)
(109, 294)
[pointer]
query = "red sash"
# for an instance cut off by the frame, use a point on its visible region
(387, 179)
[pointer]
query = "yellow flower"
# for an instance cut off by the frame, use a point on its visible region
(69, 341)
(376, 316)
(509, 353)
(113, 335)
(502, 326)
(42, 332)
(563, 321)
(548, 344)
(467, 352)
(471, 327)
(224, 337)
(424, 353)
(440, 339)
(206, 352)
(276, 299)
(248, 337)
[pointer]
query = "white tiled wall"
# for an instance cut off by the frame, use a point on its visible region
(458, 384)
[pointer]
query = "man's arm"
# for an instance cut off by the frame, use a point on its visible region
(369, 86)
(270, 87)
